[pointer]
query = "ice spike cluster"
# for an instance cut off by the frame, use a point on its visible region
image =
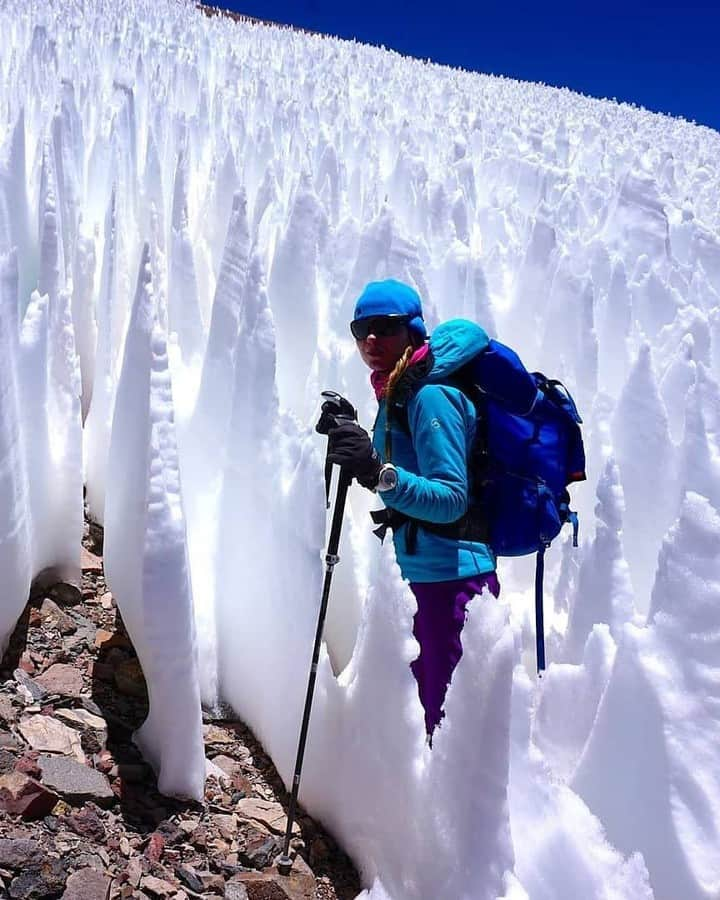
(189, 206)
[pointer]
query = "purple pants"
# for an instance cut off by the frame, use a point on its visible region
(439, 620)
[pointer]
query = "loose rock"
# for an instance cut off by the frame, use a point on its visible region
(46, 733)
(75, 782)
(267, 813)
(22, 796)
(87, 884)
(14, 854)
(61, 679)
(53, 617)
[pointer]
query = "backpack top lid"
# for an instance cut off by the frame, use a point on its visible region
(454, 344)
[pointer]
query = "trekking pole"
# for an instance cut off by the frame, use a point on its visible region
(539, 615)
(284, 861)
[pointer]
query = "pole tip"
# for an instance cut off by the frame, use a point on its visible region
(284, 864)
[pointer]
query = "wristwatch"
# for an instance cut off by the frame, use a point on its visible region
(387, 478)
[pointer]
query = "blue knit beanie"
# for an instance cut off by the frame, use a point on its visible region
(391, 297)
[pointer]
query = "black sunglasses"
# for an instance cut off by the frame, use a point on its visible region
(380, 326)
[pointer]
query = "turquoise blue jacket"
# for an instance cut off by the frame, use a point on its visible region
(432, 462)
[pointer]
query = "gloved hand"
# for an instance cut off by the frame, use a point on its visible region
(335, 411)
(350, 446)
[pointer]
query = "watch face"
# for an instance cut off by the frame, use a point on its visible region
(388, 479)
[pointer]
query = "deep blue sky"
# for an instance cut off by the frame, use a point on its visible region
(665, 58)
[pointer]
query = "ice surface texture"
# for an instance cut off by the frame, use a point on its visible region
(188, 209)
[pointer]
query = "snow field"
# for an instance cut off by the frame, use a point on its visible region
(188, 210)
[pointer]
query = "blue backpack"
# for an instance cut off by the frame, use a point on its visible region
(528, 448)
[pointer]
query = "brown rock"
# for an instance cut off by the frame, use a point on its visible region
(26, 664)
(129, 679)
(271, 885)
(22, 796)
(134, 871)
(46, 733)
(87, 823)
(89, 561)
(87, 884)
(28, 765)
(62, 679)
(158, 887)
(266, 813)
(155, 847)
(34, 618)
(215, 884)
(215, 735)
(54, 617)
(226, 825)
(109, 639)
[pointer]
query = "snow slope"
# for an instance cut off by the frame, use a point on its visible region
(188, 208)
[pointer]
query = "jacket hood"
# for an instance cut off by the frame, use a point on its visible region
(452, 344)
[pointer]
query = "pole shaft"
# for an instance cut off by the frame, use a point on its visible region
(331, 558)
(539, 615)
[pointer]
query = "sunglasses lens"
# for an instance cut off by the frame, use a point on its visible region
(360, 329)
(380, 326)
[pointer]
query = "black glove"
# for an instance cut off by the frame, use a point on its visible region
(335, 411)
(350, 446)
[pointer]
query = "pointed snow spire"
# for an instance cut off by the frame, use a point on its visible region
(183, 300)
(18, 202)
(9, 301)
(679, 377)
(604, 592)
(51, 276)
(698, 470)
(100, 414)
(615, 331)
(642, 774)
(15, 509)
(586, 355)
(294, 274)
(645, 456)
(33, 392)
(145, 549)
(710, 392)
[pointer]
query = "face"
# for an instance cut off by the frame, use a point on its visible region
(381, 353)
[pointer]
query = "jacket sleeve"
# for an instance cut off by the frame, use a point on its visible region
(439, 420)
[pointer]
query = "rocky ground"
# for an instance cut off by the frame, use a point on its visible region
(81, 817)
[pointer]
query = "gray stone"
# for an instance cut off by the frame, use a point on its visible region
(189, 878)
(75, 782)
(46, 880)
(83, 718)
(17, 853)
(235, 890)
(7, 710)
(86, 884)
(36, 691)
